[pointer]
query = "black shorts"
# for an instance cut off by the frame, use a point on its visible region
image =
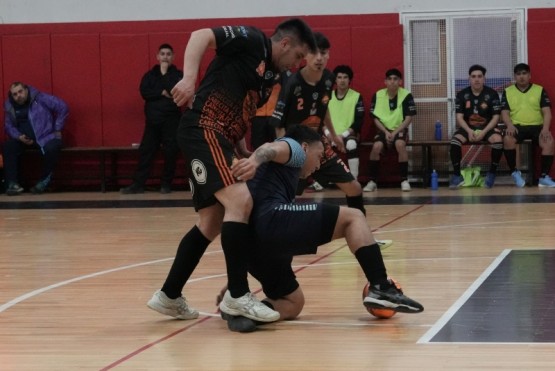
(208, 156)
(294, 229)
(280, 234)
(493, 131)
(333, 170)
(402, 135)
(528, 132)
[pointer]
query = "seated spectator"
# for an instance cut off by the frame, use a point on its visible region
(33, 119)
(392, 110)
(347, 112)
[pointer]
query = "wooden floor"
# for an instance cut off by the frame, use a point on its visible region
(76, 270)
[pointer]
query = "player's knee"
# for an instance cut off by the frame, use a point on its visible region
(351, 145)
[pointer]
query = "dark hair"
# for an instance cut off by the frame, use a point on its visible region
(343, 68)
(17, 83)
(322, 42)
(476, 67)
(165, 46)
(393, 72)
(302, 133)
(297, 29)
(521, 67)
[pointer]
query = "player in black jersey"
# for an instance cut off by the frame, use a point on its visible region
(304, 100)
(282, 229)
(238, 80)
(478, 108)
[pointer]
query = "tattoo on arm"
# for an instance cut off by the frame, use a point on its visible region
(265, 154)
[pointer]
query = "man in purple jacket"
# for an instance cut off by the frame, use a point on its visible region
(32, 120)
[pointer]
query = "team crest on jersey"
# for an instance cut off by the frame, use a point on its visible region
(268, 75)
(261, 68)
(199, 171)
(298, 90)
(484, 105)
(329, 84)
(315, 95)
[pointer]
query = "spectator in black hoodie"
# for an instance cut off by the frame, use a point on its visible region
(162, 118)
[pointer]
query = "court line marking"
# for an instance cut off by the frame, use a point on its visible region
(425, 339)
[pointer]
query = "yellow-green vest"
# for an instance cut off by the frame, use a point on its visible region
(525, 107)
(390, 119)
(343, 111)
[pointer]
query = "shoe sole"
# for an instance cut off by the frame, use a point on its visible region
(384, 304)
(154, 305)
(233, 312)
(545, 186)
(238, 323)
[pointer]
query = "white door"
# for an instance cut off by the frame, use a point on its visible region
(440, 47)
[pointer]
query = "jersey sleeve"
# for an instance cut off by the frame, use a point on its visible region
(232, 40)
(544, 100)
(298, 156)
(409, 107)
(359, 115)
(280, 114)
(504, 102)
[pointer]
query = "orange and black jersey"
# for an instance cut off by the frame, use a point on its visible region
(302, 103)
(478, 110)
(238, 80)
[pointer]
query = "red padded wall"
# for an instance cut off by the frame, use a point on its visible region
(123, 60)
(27, 58)
(76, 79)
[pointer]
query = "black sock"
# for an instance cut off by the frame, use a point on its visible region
(235, 243)
(356, 202)
(190, 250)
(373, 167)
(547, 162)
(371, 261)
(510, 156)
(455, 151)
(404, 170)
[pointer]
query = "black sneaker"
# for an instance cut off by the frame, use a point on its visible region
(14, 189)
(391, 297)
(132, 189)
(239, 323)
(165, 189)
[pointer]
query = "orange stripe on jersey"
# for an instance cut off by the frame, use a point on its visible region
(219, 158)
(312, 122)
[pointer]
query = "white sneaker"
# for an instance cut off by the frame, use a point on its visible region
(177, 308)
(315, 187)
(384, 244)
(248, 306)
(405, 186)
(370, 187)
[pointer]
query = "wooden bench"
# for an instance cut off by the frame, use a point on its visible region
(427, 164)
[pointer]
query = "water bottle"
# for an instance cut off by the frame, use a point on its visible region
(438, 130)
(435, 181)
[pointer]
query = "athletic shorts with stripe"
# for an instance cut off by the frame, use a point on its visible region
(209, 156)
(283, 232)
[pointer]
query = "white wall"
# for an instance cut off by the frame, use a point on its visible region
(52, 11)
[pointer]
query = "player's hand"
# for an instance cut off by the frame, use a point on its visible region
(545, 135)
(511, 130)
(244, 169)
(338, 140)
(183, 92)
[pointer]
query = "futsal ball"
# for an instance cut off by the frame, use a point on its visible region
(382, 313)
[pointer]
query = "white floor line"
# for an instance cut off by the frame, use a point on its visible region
(464, 297)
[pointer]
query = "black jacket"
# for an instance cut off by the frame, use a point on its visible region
(157, 106)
